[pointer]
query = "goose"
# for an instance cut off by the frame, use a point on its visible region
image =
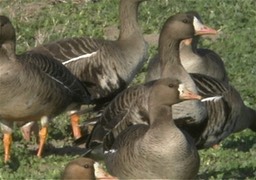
(226, 112)
(105, 66)
(195, 110)
(193, 59)
(155, 148)
(190, 27)
(84, 168)
(33, 87)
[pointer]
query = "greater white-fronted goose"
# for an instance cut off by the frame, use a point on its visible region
(84, 168)
(107, 66)
(154, 148)
(33, 87)
(172, 32)
(194, 60)
(226, 112)
(171, 66)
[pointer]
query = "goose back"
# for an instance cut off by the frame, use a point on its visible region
(33, 87)
(138, 109)
(226, 112)
(51, 81)
(105, 66)
(132, 103)
(203, 61)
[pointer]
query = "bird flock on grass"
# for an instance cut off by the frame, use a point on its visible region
(149, 130)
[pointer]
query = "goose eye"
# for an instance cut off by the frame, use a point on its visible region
(171, 85)
(86, 166)
(185, 21)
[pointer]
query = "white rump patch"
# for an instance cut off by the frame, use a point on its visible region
(197, 24)
(79, 57)
(110, 151)
(214, 98)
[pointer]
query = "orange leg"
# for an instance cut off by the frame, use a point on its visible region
(7, 146)
(75, 125)
(42, 138)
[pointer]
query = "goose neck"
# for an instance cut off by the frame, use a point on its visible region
(7, 50)
(169, 57)
(128, 14)
(160, 115)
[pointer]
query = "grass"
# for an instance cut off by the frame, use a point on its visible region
(40, 22)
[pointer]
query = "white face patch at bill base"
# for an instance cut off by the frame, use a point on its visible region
(97, 169)
(181, 88)
(197, 24)
(214, 98)
(79, 57)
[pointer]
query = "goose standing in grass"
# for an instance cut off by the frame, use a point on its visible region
(194, 60)
(84, 168)
(107, 66)
(226, 112)
(155, 148)
(33, 87)
(131, 106)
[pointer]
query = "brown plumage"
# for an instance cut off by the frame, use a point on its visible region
(225, 111)
(33, 87)
(106, 67)
(131, 106)
(193, 59)
(153, 148)
(80, 168)
(84, 168)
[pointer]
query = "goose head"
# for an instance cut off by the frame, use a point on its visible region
(84, 168)
(7, 31)
(184, 26)
(168, 91)
(80, 168)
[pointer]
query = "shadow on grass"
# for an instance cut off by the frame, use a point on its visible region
(17, 161)
(66, 150)
(237, 173)
(243, 144)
